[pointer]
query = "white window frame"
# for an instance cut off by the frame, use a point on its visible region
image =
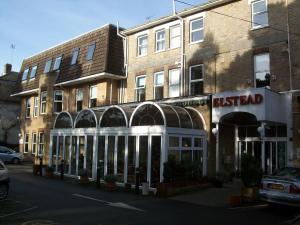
(174, 37)
(139, 88)
(43, 102)
(27, 107)
(158, 85)
(142, 46)
(41, 144)
(90, 96)
(31, 75)
(171, 85)
(257, 26)
(26, 71)
(198, 29)
(76, 95)
(34, 142)
(163, 40)
(58, 101)
(196, 80)
(26, 142)
(35, 106)
(255, 70)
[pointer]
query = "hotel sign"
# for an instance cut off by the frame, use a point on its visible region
(239, 100)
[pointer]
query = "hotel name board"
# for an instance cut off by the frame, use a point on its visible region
(252, 99)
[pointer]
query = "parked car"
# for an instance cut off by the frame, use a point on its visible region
(4, 181)
(9, 155)
(283, 187)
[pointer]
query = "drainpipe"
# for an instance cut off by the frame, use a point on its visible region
(125, 50)
(289, 43)
(182, 56)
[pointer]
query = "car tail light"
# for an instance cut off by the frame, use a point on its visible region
(294, 189)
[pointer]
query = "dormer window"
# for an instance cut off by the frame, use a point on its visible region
(25, 74)
(57, 63)
(48, 66)
(75, 54)
(90, 52)
(33, 72)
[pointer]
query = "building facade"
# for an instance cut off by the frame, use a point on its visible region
(10, 108)
(206, 84)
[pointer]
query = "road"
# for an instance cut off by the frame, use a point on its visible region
(35, 200)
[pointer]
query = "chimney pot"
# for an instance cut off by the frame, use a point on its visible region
(7, 68)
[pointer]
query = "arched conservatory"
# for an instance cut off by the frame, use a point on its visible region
(120, 139)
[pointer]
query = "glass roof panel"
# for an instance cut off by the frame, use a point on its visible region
(86, 119)
(63, 121)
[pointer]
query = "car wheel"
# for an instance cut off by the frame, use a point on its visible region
(3, 191)
(16, 161)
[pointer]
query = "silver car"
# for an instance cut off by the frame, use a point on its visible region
(283, 187)
(9, 155)
(4, 181)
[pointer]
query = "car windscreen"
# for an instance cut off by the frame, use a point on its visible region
(288, 172)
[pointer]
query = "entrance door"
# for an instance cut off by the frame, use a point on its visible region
(143, 157)
(249, 147)
(155, 160)
(67, 155)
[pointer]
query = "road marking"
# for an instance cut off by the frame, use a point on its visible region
(113, 204)
(19, 212)
(250, 207)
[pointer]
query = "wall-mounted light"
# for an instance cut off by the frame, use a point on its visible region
(20, 135)
(215, 131)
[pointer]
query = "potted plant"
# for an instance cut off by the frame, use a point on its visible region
(83, 176)
(49, 171)
(110, 182)
(251, 175)
(127, 187)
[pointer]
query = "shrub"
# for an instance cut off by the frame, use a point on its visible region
(110, 178)
(50, 169)
(83, 173)
(251, 172)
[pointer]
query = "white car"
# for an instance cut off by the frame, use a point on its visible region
(4, 181)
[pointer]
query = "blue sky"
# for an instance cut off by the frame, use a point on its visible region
(35, 25)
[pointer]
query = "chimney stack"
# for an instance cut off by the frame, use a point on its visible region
(7, 68)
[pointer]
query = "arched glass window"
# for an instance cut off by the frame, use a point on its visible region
(147, 115)
(63, 121)
(184, 117)
(113, 117)
(86, 119)
(197, 120)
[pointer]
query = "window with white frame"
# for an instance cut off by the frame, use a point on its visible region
(27, 107)
(33, 72)
(58, 101)
(174, 83)
(262, 70)
(43, 102)
(48, 66)
(34, 143)
(196, 80)
(196, 30)
(142, 45)
(160, 37)
(159, 85)
(79, 99)
(75, 54)
(25, 74)
(259, 14)
(26, 143)
(140, 86)
(90, 52)
(93, 96)
(35, 106)
(175, 32)
(57, 62)
(41, 143)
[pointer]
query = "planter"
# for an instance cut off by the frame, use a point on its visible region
(249, 194)
(235, 200)
(110, 186)
(127, 187)
(145, 188)
(83, 180)
(49, 174)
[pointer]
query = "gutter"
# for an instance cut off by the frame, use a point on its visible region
(91, 77)
(29, 92)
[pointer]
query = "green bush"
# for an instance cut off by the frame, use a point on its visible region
(82, 173)
(110, 178)
(251, 172)
(50, 169)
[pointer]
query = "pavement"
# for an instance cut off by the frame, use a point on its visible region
(35, 200)
(213, 197)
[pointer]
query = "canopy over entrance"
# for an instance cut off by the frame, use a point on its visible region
(64, 120)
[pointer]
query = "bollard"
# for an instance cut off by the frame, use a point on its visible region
(41, 166)
(62, 169)
(137, 181)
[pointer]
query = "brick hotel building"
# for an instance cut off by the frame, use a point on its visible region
(209, 83)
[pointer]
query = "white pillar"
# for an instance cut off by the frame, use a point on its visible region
(116, 155)
(204, 152)
(126, 159)
(236, 147)
(105, 155)
(263, 150)
(50, 150)
(217, 149)
(95, 157)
